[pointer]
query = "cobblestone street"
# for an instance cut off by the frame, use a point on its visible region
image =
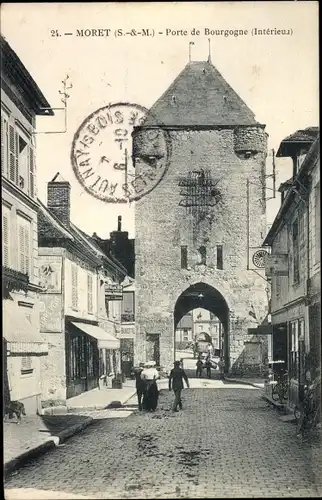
(226, 443)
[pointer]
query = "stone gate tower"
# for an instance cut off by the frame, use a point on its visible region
(193, 229)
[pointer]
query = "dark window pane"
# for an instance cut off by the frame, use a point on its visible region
(203, 255)
(220, 263)
(184, 257)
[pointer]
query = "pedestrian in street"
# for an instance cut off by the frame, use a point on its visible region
(208, 366)
(181, 363)
(177, 375)
(199, 365)
(221, 365)
(149, 377)
(195, 349)
(139, 383)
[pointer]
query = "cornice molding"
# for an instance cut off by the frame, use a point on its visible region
(20, 195)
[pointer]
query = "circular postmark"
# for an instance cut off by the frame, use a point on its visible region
(114, 164)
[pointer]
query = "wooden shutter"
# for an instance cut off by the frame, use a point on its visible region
(12, 154)
(4, 146)
(24, 246)
(27, 249)
(32, 173)
(89, 293)
(74, 287)
(21, 248)
(317, 224)
(5, 238)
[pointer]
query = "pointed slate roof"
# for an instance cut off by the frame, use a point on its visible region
(200, 96)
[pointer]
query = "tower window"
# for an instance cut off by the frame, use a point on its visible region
(184, 257)
(203, 255)
(220, 263)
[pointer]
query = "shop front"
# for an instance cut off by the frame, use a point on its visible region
(88, 349)
(23, 347)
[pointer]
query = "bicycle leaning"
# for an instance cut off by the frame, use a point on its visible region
(280, 389)
(307, 413)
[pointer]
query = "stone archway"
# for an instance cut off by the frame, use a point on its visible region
(202, 295)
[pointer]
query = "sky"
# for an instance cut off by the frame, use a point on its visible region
(276, 75)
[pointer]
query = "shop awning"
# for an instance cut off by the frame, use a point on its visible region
(21, 336)
(104, 340)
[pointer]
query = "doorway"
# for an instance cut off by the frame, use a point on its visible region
(201, 325)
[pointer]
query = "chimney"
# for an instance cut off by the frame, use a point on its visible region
(58, 198)
(119, 223)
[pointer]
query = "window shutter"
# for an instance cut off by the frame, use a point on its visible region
(12, 154)
(27, 250)
(17, 158)
(32, 172)
(89, 293)
(74, 287)
(4, 145)
(21, 248)
(5, 239)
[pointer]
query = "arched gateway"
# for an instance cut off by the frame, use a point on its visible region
(193, 230)
(209, 298)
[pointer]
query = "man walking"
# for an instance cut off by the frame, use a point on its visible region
(199, 365)
(177, 375)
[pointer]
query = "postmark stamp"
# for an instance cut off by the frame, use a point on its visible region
(113, 166)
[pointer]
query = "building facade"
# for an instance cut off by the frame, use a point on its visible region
(184, 332)
(294, 264)
(194, 253)
(127, 336)
(205, 321)
(80, 302)
(23, 346)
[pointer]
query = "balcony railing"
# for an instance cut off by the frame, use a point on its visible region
(127, 318)
(113, 291)
(14, 280)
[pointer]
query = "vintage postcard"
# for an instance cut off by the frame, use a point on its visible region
(161, 250)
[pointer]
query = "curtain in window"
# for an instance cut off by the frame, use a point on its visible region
(128, 303)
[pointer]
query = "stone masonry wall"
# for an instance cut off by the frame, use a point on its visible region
(163, 226)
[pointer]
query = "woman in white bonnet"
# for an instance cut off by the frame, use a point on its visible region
(150, 375)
